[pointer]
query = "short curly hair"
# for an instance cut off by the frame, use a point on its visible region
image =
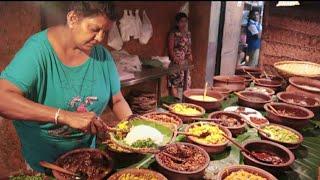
(93, 8)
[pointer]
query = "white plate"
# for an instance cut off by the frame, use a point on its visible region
(247, 116)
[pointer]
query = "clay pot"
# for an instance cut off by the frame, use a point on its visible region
(296, 82)
(232, 82)
(210, 148)
(269, 83)
(135, 171)
(251, 169)
(271, 147)
(208, 106)
(288, 145)
(255, 71)
(57, 175)
(188, 118)
(269, 91)
(312, 103)
(247, 100)
(300, 120)
(222, 90)
(234, 130)
(248, 79)
(182, 175)
(154, 115)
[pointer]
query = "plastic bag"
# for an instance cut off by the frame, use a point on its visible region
(146, 30)
(125, 26)
(132, 24)
(138, 25)
(163, 59)
(114, 38)
(126, 62)
(130, 63)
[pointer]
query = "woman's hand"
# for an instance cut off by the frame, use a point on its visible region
(85, 121)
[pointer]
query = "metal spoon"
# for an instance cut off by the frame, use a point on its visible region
(78, 175)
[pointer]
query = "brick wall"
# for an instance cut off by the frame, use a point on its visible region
(18, 21)
(291, 33)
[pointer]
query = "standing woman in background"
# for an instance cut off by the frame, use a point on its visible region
(254, 29)
(179, 53)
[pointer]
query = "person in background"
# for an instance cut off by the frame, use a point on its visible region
(179, 52)
(242, 47)
(254, 29)
(59, 83)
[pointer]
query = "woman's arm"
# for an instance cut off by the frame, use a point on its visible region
(14, 105)
(120, 106)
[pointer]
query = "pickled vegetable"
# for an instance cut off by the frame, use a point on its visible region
(281, 134)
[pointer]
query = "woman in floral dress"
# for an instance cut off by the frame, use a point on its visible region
(180, 53)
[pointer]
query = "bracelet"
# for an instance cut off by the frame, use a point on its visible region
(56, 116)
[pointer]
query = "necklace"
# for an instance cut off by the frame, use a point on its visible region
(78, 98)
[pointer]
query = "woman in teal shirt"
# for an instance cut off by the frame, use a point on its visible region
(59, 83)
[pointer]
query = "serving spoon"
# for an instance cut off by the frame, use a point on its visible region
(247, 151)
(238, 94)
(249, 74)
(167, 106)
(202, 135)
(205, 90)
(259, 129)
(78, 175)
(273, 109)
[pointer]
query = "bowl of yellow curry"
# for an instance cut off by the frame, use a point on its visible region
(244, 172)
(211, 136)
(187, 111)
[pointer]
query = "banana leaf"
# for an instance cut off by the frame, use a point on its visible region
(167, 130)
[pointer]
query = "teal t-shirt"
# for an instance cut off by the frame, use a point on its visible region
(38, 72)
